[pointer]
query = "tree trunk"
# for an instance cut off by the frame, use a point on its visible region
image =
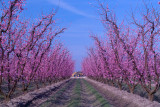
(112, 83)
(37, 86)
(7, 98)
(50, 82)
(106, 81)
(150, 96)
(120, 86)
(131, 90)
(25, 89)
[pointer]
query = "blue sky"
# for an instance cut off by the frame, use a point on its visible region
(81, 18)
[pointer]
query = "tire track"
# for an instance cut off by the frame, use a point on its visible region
(38, 101)
(61, 98)
(91, 97)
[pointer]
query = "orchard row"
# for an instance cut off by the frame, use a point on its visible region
(130, 53)
(30, 52)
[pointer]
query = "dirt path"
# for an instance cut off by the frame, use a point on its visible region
(75, 93)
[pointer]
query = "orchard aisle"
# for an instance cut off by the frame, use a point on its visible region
(76, 93)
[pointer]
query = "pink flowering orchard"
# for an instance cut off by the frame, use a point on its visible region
(130, 54)
(27, 53)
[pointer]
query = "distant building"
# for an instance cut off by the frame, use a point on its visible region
(77, 74)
